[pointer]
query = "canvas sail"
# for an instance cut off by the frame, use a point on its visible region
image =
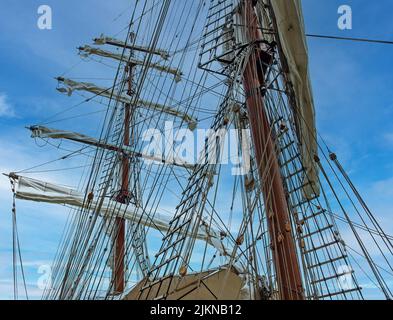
(291, 30)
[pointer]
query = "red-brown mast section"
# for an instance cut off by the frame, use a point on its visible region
(283, 245)
(123, 197)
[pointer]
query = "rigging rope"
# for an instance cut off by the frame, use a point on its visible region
(16, 250)
(350, 39)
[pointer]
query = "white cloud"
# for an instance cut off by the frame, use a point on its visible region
(6, 110)
(7, 288)
(384, 188)
(389, 138)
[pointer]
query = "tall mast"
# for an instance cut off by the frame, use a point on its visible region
(124, 195)
(283, 244)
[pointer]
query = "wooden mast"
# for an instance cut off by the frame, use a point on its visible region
(283, 245)
(123, 197)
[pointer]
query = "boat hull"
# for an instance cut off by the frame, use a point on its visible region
(221, 284)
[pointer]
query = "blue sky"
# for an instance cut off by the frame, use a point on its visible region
(351, 82)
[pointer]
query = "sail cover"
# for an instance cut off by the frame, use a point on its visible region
(291, 30)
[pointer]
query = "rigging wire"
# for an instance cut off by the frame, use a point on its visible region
(73, 153)
(350, 39)
(16, 249)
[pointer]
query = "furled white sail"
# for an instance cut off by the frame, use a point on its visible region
(41, 191)
(71, 86)
(291, 30)
(119, 43)
(45, 133)
(87, 50)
